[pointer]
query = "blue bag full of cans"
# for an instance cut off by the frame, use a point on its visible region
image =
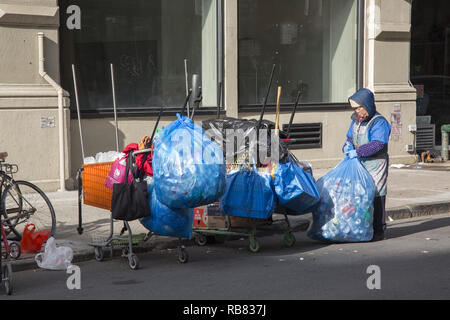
(188, 168)
(166, 221)
(345, 210)
(249, 194)
(295, 188)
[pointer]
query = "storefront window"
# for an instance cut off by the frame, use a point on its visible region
(430, 61)
(312, 42)
(147, 41)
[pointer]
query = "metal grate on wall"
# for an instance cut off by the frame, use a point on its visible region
(305, 135)
(425, 135)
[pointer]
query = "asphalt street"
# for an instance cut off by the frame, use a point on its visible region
(413, 263)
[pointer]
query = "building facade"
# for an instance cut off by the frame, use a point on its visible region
(326, 49)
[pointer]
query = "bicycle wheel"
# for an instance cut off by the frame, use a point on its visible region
(24, 203)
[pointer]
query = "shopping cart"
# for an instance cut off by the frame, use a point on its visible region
(250, 226)
(247, 227)
(93, 192)
(240, 227)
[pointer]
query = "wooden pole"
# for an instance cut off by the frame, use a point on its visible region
(277, 119)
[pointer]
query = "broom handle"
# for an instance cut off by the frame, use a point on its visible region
(113, 86)
(277, 119)
(293, 113)
(75, 87)
(186, 101)
(267, 96)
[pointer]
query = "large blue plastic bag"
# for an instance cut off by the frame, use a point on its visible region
(166, 221)
(295, 188)
(345, 211)
(248, 194)
(188, 168)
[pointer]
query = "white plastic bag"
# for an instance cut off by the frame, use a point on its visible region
(108, 156)
(89, 160)
(54, 258)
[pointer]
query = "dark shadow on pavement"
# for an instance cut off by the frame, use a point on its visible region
(397, 232)
(66, 231)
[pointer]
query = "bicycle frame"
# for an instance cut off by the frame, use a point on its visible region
(6, 172)
(5, 241)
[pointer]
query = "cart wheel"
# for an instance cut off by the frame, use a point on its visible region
(7, 278)
(254, 244)
(98, 253)
(289, 239)
(201, 239)
(133, 262)
(125, 252)
(15, 250)
(183, 256)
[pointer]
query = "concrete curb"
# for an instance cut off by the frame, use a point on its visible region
(418, 210)
(405, 212)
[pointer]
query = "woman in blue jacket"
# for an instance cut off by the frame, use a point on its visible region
(367, 139)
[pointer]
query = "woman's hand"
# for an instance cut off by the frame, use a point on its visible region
(348, 146)
(352, 154)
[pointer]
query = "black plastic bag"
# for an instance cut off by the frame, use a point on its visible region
(245, 129)
(130, 201)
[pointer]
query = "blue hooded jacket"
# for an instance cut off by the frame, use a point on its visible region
(380, 129)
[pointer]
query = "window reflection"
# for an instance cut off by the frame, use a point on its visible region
(430, 60)
(312, 42)
(147, 41)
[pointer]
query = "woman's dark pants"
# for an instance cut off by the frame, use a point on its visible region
(379, 215)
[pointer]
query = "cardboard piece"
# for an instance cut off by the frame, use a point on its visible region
(209, 217)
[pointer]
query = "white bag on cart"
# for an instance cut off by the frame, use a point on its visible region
(54, 258)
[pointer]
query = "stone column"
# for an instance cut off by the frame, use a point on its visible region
(387, 52)
(28, 104)
(231, 57)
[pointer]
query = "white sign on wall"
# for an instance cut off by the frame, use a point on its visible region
(47, 122)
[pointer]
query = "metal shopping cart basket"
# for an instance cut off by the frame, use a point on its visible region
(93, 192)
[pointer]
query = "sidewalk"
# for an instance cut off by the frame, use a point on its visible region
(420, 189)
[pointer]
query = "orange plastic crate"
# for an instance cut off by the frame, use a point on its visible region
(96, 194)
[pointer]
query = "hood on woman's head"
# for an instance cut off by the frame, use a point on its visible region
(366, 98)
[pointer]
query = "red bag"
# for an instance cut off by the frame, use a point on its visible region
(117, 173)
(32, 241)
(142, 166)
